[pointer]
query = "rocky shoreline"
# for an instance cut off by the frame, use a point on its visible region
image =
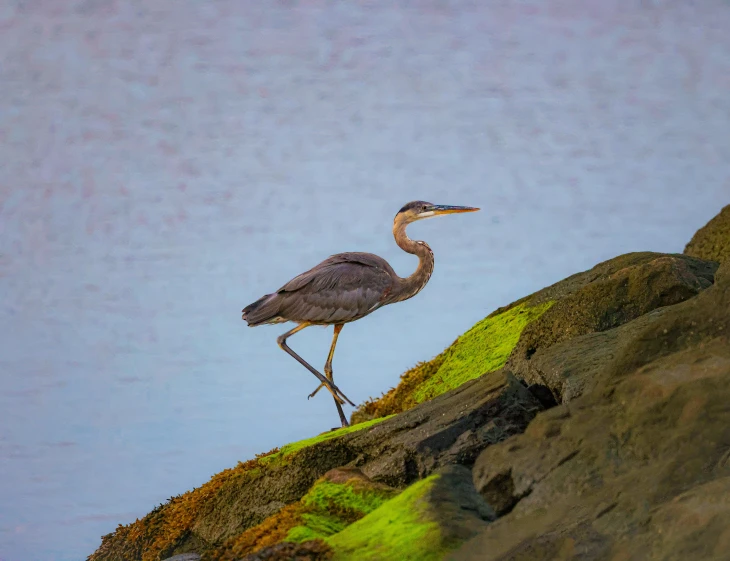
(588, 420)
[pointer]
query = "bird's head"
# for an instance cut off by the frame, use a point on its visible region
(418, 210)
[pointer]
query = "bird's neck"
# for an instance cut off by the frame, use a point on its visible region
(412, 285)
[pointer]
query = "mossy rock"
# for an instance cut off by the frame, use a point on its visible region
(483, 349)
(339, 498)
(425, 522)
(232, 501)
(712, 241)
(279, 456)
(241, 498)
(610, 294)
(451, 428)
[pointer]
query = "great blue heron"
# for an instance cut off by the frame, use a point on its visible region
(346, 287)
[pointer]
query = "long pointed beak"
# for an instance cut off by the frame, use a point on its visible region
(446, 209)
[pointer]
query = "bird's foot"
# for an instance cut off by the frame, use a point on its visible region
(311, 395)
(335, 391)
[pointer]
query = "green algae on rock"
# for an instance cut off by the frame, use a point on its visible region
(483, 349)
(185, 521)
(335, 501)
(276, 456)
(331, 507)
(423, 523)
(400, 527)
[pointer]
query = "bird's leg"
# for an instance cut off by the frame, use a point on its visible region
(330, 377)
(334, 390)
(328, 364)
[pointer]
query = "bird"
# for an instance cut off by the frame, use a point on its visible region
(347, 287)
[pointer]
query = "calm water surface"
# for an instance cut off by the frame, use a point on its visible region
(163, 164)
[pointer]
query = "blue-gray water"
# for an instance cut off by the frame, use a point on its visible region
(164, 163)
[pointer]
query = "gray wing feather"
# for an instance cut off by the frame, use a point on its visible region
(335, 292)
(342, 288)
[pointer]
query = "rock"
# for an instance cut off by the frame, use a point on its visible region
(184, 557)
(451, 429)
(315, 550)
(609, 295)
(482, 349)
(440, 512)
(568, 369)
(635, 468)
(606, 432)
(336, 500)
(712, 241)
(426, 521)
(693, 525)
(458, 508)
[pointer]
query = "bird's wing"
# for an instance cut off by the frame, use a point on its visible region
(357, 258)
(342, 288)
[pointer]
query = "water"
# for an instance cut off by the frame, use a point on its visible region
(163, 164)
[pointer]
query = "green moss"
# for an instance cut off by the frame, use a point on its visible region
(400, 529)
(331, 507)
(161, 529)
(315, 526)
(350, 496)
(327, 508)
(290, 449)
(484, 348)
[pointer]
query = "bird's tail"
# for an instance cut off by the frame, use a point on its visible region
(264, 310)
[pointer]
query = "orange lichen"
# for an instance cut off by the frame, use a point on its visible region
(400, 398)
(271, 531)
